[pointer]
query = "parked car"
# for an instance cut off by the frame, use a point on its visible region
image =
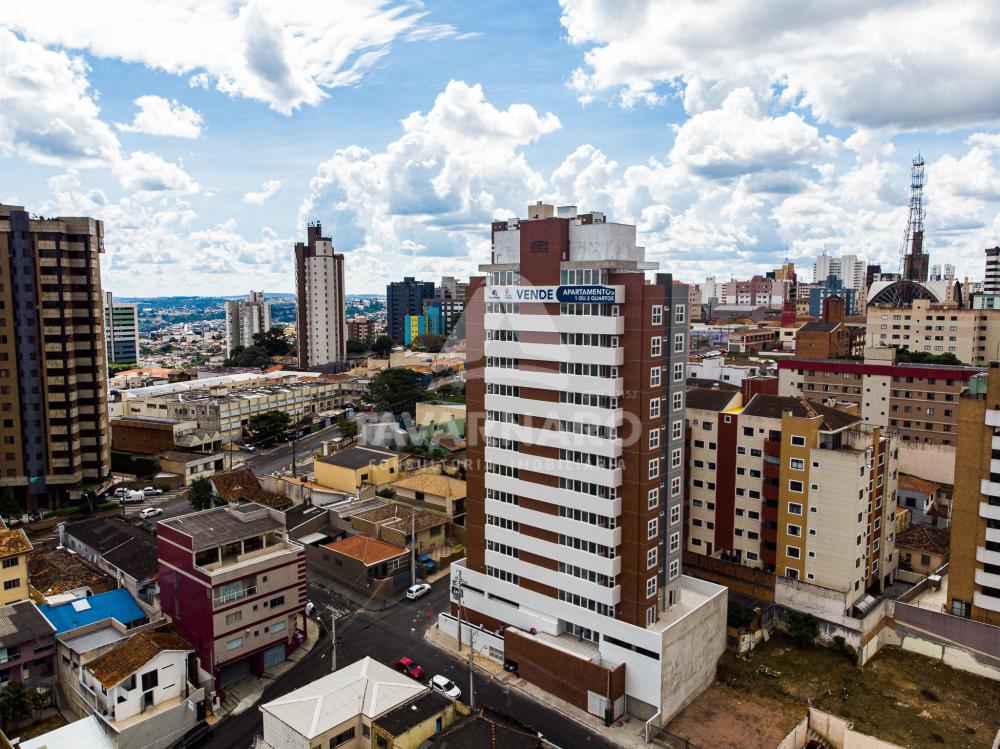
(133, 497)
(149, 527)
(428, 563)
(200, 734)
(408, 667)
(416, 591)
(248, 448)
(445, 686)
(310, 607)
(122, 491)
(150, 491)
(150, 512)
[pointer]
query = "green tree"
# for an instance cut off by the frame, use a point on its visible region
(255, 357)
(429, 342)
(40, 699)
(200, 494)
(396, 390)
(267, 425)
(382, 346)
(356, 347)
(9, 506)
(348, 428)
(14, 703)
(273, 342)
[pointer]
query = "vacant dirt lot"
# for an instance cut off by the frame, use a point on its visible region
(899, 697)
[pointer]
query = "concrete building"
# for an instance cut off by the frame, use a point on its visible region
(972, 335)
(320, 306)
(373, 568)
(14, 550)
(403, 298)
(121, 331)
(143, 690)
(53, 376)
(225, 404)
(435, 491)
(451, 288)
(795, 488)
(233, 584)
(355, 467)
(830, 337)
(717, 368)
(757, 292)
(919, 401)
(245, 319)
(27, 646)
(944, 272)
(573, 523)
(338, 710)
(991, 282)
(974, 571)
(362, 328)
(850, 270)
(179, 445)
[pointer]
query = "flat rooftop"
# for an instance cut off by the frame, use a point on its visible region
(222, 525)
(356, 457)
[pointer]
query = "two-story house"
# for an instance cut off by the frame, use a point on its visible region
(234, 585)
(14, 549)
(27, 646)
(143, 691)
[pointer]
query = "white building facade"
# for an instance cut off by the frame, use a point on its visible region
(246, 318)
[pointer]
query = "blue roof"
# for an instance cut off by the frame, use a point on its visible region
(115, 604)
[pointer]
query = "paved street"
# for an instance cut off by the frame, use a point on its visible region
(387, 636)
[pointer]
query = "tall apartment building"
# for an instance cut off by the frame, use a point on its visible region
(362, 328)
(991, 283)
(919, 401)
(574, 506)
(795, 488)
(245, 318)
(234, 586)
(944, 272)
(53, 377)
(451, 288)
(972, 335)
(758, 291)
(850, 269)
(121, 331)
(320, 307)
(405, 298)
(974, 572)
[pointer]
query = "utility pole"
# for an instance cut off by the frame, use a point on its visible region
(472, 658)
(413, 544)
(294, 441)
(456, 592)
(333, 638)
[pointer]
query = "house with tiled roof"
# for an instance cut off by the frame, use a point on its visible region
(54, 573)
(438, 492)
(14, 550)
(923, 548)
(242, 485)
(27, 645)
(143, 690)
(366, 565)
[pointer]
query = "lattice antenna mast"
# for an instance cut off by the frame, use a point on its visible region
(913, 235)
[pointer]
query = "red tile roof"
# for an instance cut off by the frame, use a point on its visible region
(366, 549)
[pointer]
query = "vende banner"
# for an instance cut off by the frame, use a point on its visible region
(560, 294)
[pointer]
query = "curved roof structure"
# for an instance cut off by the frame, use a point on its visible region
(902, 292)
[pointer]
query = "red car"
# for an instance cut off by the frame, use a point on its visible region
(408, 667)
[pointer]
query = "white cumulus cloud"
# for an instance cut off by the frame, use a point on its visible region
(159, 116)
(266, 192)
(284, 54)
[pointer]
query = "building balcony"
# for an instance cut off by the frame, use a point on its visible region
(993, 535)
(611, 386)
(772, 448)
(983, 601)
(554, 411)
(556, 352)
(984, 556)
(555, 496)
(610, 477)
(987, 579)
(609, 447)
(605, 536)
(557, 323)
(988, 511)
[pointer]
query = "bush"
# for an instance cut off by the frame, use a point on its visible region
(803, 628)
(740, 615)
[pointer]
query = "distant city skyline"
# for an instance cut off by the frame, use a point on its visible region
(206, 148)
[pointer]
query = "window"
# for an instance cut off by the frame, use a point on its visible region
(150, 680)
(234, 617)
(654, 468)
(675, 569)
(650, 558)
(275, 602)
(797, 464)
(654, 408)
(653, 498)
(675, 514)
(676, 430)
(792, 551)
(651, 527)
(651, 587)
(679, 313)
(11, 562)
(235, 643)
(279, 626)
(675, 541)
(679, 343)
(678, 401)
(798, 440)
(794, 530)
(654, 345)
(11, 584)
(675, 486)
(679, 372)
(794, 508)
(654, 377)
(342, 738)
(651, 616)
(795, 486)
(657, 317)
(675, 458)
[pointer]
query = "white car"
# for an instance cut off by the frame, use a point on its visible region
(149, 491)
(150, 512)
(310, 607)
(416, 591)
(445, 686)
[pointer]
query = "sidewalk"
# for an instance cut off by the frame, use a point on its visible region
(627, 732)
(246, 693)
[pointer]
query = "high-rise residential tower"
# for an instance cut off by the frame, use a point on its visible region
(991, 283)
(245, 318)
(319, 280)
(974, 572)
(575, 482)
(121, 331)
(405, 298)
(54, 430)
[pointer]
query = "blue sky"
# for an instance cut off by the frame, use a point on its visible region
(207, 133)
